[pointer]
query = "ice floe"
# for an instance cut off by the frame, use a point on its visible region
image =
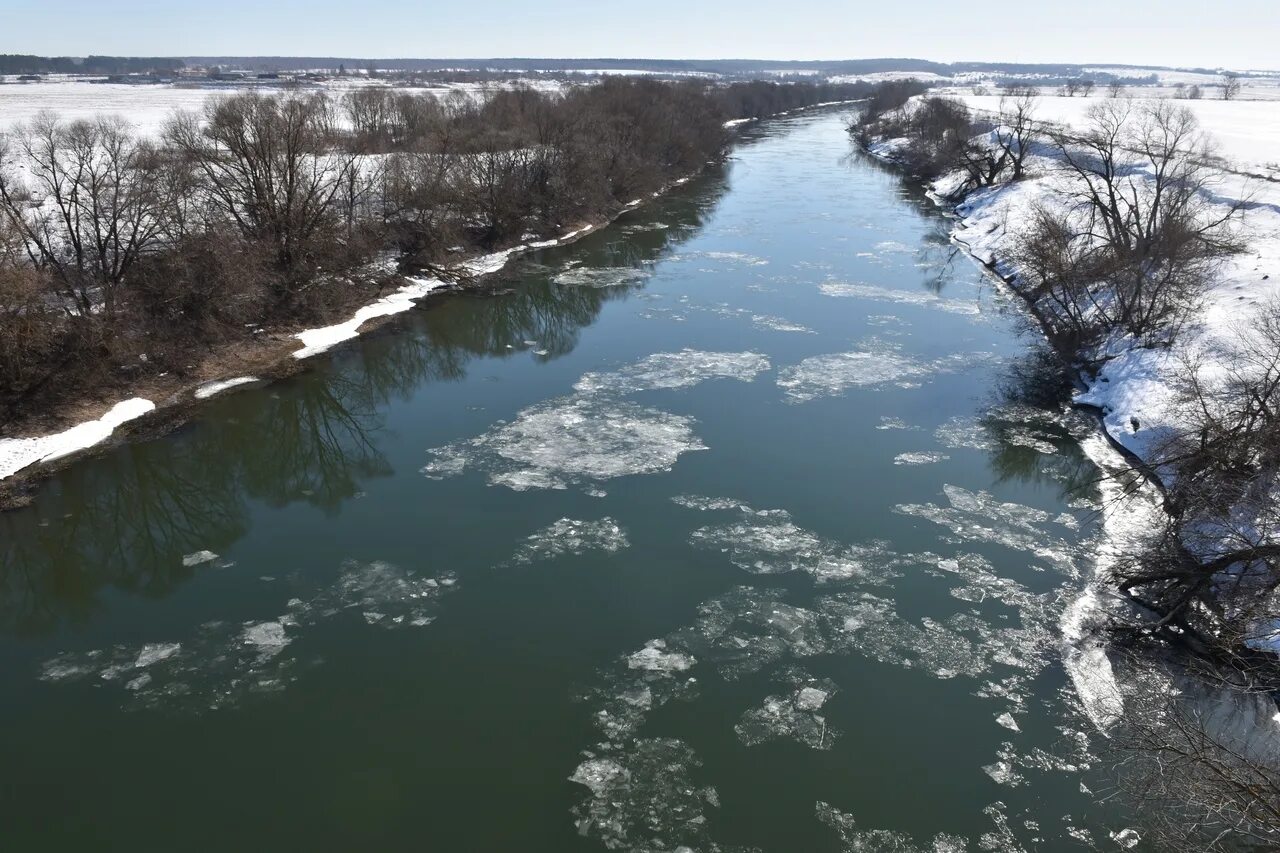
(675, 370)
(919, 458)
(602, 276)
(795, 715)
(570, 536)
(877, 364)
(924, 299)
(571, 440)
(221, 663)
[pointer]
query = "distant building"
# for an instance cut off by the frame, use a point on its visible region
(30, 78)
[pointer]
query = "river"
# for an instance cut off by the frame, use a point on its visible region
(746, 522)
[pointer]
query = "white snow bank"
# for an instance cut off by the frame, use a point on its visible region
(209, 389)
(19, 453)
(316, 341)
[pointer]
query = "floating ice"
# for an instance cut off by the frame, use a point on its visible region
(267, 636)
(569, 536)
(725, 257)
(675, 370)
(978, 517)
(793, 716)
(919, 458)
(773, 323)
(1126, 838)
(768, 542)
(655, 658)
(901, 297)
(198, 558)
(706, 504)
(571, 440)
(154, 652)
(855, 840)
(646, 799)
(223, 662)
(832, 375)
(602, 276)
(894, 423)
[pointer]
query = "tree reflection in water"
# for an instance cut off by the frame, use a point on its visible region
(1034, 435)
(126, 519)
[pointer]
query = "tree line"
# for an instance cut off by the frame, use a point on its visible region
(17, 63)
(123, 256)
(1120, 256)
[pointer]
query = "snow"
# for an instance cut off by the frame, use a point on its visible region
(1134, 388)
(147, 108)
(316, 341)
(1247, 130)
(209, 389)
(19, 453)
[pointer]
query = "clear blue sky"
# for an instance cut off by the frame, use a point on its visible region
(1229, 33)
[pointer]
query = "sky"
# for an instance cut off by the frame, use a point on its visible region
(1238, 34)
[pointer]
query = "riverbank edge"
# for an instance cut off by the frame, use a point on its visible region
(1085, 655)
(242, 365)
(281, 353)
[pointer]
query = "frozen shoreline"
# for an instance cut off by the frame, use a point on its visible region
(1132, 392)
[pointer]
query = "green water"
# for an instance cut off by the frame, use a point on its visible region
(410, 599)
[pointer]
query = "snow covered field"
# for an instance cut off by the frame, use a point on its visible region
(147, 107)
(1247, 130)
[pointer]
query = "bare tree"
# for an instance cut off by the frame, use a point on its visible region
(1017, 129)
(1230, 86)
(1226, 454)
(1143, 233)
(1194, 92)
(1115, 88)
(1192, 756)
(274, 168)
(87, 200)
(1086, 87)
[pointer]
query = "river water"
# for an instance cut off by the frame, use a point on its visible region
(745, 523)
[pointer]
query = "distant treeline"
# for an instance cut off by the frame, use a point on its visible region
(13, 63)
(122, 257)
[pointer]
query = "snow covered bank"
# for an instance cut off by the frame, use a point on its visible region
(1135, 384)
(19, 453)
(316, 341)
(1134, 387)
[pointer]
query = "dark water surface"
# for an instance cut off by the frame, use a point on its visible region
(746, 522)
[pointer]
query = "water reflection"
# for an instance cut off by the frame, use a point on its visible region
(1033, 432)
(126, 520)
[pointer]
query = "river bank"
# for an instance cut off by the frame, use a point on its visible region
(39, 445)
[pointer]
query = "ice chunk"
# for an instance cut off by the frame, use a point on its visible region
(569, 536)
(572, 440)
(675, 370)
(655, 658)
(155, 652)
